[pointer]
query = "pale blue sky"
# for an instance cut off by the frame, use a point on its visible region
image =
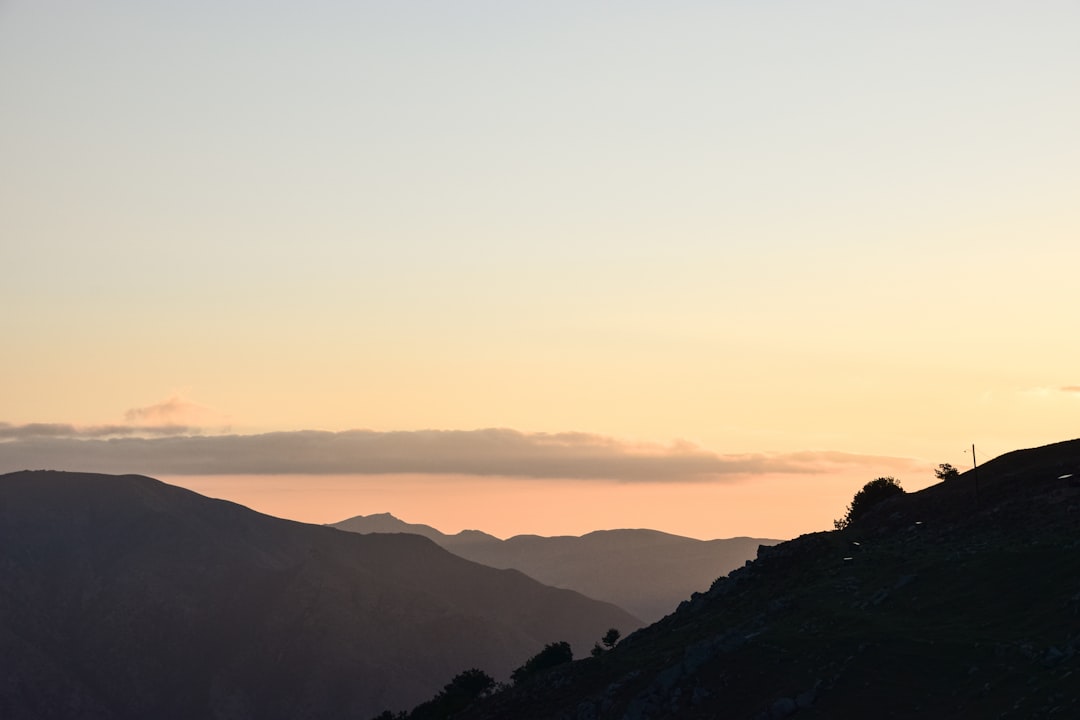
(760, 226)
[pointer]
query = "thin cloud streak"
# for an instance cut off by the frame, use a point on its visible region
(66, 430)
(173, 410)
(489, 452)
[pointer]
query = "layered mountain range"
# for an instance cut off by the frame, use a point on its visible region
(644, 571)
(124, 597)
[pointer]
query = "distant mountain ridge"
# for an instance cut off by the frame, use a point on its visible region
(387, 523)
(647, 572)
(123, 597)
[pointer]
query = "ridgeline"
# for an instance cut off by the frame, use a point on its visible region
(938, 603)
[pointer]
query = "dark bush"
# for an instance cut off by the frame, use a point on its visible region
(458, 694)
(552, 655)
(610, 639)
(871, 494)
(945, 471)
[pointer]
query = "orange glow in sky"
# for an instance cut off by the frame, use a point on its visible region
(772, 228)
(779, 506)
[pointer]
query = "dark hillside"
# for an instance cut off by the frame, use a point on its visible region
(124, 597)
(929, 606)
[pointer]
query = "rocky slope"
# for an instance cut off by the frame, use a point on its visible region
(957, 601)
(123, 597)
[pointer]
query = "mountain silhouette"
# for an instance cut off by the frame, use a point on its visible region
(961, 601)
(387, 523)
(123, 597)
(608, 565)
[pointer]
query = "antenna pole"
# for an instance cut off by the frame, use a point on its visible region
(976, 464)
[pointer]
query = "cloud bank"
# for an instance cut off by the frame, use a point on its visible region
(490, 452)
(64, 430)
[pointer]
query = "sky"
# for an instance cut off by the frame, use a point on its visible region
(705, 267)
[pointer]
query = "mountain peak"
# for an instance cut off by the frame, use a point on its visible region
(126, 597)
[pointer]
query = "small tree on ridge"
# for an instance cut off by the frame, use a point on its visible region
(553, 654)
(610, 639)
(871, 494)
(945, 471)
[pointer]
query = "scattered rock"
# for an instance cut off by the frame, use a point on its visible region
(904, 581)
(1052, 656)
(807, 698)
(586, 711)
(782, 708)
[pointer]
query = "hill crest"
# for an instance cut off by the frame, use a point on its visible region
(934, 604)
(133, 598)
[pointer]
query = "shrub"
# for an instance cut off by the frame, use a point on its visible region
(945, 471)
(458, 694)
(610, 639)
(552, 655)
(871, 494)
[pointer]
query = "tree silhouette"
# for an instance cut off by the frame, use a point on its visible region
(553, 654)
(945, 471)
(611, 637)
(871, 494)
(458, 694)
(471, 684)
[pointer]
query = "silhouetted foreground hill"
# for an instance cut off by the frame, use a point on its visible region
(934, 605)
(123, 597)
(645, 571)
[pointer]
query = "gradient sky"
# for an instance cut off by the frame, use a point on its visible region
(714, 228)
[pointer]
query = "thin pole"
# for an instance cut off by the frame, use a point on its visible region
(976, 464)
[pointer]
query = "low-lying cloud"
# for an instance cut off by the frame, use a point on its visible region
(490, 452)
